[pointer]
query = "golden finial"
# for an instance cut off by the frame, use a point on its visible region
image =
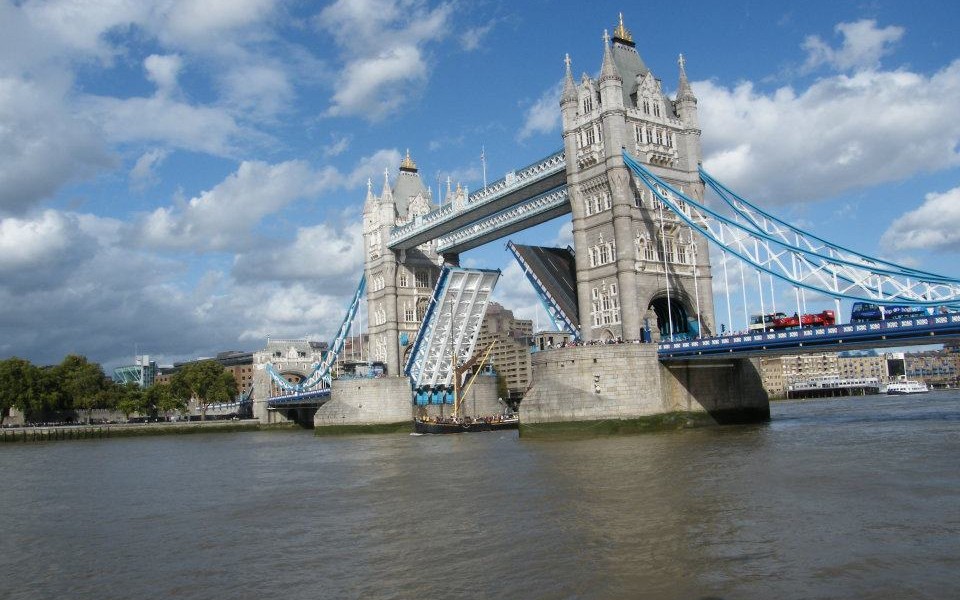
(408, 164)
(621, 32)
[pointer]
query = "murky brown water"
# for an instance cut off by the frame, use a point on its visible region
(852, 498)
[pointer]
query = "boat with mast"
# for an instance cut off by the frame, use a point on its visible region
(456, 422)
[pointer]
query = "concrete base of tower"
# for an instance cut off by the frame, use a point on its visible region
(277, 417)
(624, 388)
(378, 405)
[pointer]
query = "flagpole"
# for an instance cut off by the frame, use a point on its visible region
(483, 160)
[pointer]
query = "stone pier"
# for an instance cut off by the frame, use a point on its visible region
(366, 405)
(623, 387)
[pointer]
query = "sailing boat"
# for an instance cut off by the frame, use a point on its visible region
(456, 423)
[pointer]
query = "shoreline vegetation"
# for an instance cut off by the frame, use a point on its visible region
(49, 433)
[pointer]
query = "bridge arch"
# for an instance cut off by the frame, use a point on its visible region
(680, 310)
(294, 376)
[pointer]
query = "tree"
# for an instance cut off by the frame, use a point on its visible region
(21, 387)
(83, 383)
(159, 398)
(130, 399)
(205, 381)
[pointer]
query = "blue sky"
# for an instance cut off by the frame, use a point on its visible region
(183, 177)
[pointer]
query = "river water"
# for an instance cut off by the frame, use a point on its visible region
(847, 498)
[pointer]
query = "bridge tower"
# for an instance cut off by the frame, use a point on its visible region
(399, 282)
(631, 256)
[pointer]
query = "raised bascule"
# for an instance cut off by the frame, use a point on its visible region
(635, 291)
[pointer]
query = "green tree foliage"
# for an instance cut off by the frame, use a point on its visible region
(206, 381)
(159, 398)
(21, 386)
(130, 399)
(84, 384)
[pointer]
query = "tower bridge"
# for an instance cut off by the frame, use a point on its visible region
(629, 174)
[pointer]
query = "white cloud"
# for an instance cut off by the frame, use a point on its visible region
(361, 85)
(162, 120)
(373, 167)
(265, 89)
(841, 133)
(473, 37)
(205, 22)
(79, 27)
(223, 217)
(382, 42)
(543, 116)
(163, 71)
(863, 45)
(42, 146)
(143, 174)
(323, 252)
(564, 236)
(514, 291)
(34, 251)
(935, 225)
(337, 146)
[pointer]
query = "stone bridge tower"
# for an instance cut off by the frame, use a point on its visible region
(399, 283)
(633, 260)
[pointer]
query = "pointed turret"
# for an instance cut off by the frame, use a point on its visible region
(686, 102)
(371, 201)
(568, 100)
(688, 140)
(569, 87)
(386, 195)
(608, 70)
(684, 92)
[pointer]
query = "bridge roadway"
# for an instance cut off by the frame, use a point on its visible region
(935, 329)
(300, 400)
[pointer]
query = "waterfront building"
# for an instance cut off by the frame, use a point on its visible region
(936, 368)
(142, 372)
(239, 363)
(511, 355)
(862, 365)
(778, 373)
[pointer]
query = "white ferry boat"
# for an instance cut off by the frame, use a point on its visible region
(906, 386)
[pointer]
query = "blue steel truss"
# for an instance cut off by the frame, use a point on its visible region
(450, 326)
(319, 377)
(561, 320)
(769, 224)
(797, 264)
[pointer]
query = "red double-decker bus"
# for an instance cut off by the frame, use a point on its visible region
(827, 317)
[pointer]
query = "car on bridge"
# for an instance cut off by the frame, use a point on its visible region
(764, 322)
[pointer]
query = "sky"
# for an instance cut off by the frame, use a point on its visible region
(183, 177)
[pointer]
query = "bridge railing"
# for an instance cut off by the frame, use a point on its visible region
(932, 328)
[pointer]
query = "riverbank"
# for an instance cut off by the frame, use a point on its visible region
(86, 432)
